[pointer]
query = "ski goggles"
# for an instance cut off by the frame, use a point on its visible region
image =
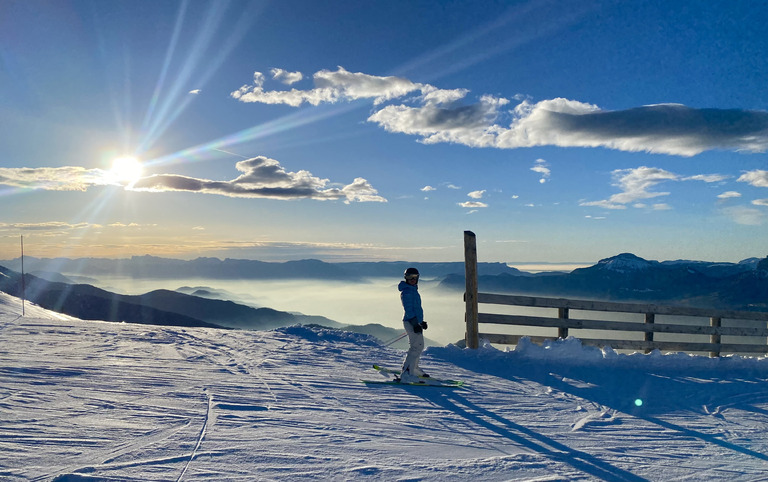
(411, 276)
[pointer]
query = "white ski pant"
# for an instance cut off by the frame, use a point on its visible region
(413, 356)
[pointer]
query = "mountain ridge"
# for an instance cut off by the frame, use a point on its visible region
(627, 277)
(167, 308)
(229, 268)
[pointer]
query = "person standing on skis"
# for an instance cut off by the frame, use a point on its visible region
(413, 321)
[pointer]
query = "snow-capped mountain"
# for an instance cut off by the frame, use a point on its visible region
(625, 262)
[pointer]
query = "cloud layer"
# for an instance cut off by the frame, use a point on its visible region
(261, 178)
(757, 178)
(329, 87)
(66, 178)
(438, 115)
(638, 185)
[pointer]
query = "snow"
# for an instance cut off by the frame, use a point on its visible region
(625, 262)
(83, 400)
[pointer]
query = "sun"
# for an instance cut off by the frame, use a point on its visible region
(127, 169)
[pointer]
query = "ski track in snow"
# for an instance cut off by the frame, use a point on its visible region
(103, 401)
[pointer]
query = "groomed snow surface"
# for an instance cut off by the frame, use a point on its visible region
(86, 400)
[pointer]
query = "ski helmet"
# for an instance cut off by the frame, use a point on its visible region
(411, 273)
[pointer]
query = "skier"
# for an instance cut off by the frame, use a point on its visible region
(413, 321)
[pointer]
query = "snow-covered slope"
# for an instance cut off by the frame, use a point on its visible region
(11, 306)
(103, 401)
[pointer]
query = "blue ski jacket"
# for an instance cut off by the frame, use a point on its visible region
(411, 299)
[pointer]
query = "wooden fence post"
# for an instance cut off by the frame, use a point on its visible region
(650, 318)
(562, 332)
(470, 295)
(715, 322)
(23, 281)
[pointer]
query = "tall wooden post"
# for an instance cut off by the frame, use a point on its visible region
(470, 295)
(650, 318)
(562, 332)
(716, 323)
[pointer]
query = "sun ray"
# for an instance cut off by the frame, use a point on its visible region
(261, 131)
(148, 119)
(162, 113)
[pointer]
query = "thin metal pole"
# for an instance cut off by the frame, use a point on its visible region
(23, 283)
(394, 340)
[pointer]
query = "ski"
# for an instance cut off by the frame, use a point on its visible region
(414, 384)
(422, 380)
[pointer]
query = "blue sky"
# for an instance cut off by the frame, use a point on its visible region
(557, 131)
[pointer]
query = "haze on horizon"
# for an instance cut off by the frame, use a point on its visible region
(559, 132)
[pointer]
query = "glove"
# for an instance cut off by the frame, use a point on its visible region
(417, 329)
(423, 325)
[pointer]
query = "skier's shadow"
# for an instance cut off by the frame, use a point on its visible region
(599, 389)
(456, 403)
(641, 386)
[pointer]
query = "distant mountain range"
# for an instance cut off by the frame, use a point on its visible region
(214, 268)
(626, 277)
(163, 307)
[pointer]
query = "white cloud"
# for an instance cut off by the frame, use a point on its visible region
(757, 178)
(542, 168)
(729, 195)
(331, 87)
(473, 204)
(46, 226)
(746, 215)
(352, 86)
(129, 225)
(708, 178)
(661, 207)
(665, 128)
(263, 178)
(286, 77)
(635, 185)
(476, 194)
(65, 178)
(428, 188)
(760, 202)
(360, 191)
(605, 204)
(440, 116)
(437, 122)
(196, 91)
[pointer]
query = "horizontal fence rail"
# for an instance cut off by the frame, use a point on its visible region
(563, 322)
(587, 305)
(757, 336)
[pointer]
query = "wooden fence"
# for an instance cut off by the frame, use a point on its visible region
(757, 336)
